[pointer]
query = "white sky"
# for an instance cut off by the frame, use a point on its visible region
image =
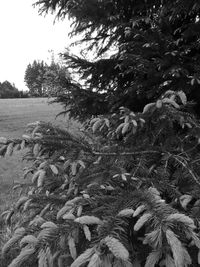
(25, 36)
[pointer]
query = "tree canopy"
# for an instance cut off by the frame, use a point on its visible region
(8, 90)
(34, 77)
(46, 80)
(155, 43)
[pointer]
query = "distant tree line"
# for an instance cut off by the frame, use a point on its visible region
(8, 90)
(45, 80)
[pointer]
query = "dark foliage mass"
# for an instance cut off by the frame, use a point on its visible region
(155, 44)
(123, 192)
(46, 80)
(8, 90)
(34, 77)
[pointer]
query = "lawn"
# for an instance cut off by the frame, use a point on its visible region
(15, 114)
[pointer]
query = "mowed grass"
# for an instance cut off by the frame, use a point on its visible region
(15, 114)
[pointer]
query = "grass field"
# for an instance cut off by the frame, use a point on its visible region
(15, 114)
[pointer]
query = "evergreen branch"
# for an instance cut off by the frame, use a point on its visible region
(48, 199)
(126, 153)
(185, 166)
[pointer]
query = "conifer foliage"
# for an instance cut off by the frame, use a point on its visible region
(154, 44)
(124, 194)
(125, 190)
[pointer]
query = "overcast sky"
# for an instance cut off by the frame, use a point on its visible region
(25, 36)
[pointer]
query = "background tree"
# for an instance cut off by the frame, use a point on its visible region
(8, 90)
(46, 80)
(34, 78)
(56, 79)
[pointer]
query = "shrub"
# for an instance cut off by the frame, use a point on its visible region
(125, 192)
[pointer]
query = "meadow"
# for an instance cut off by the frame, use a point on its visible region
(15, 114)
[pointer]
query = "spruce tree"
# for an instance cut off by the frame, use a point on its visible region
(143, 48)
(125, 190)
